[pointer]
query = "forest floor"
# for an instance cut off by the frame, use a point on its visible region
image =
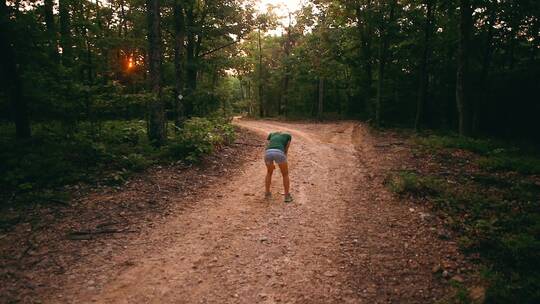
(206, 234)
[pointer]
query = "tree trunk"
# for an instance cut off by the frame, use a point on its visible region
(52, 35)
(365, 31)
(462, 75)
(64, 7)
(241, 87)
(321, 98)
(179, 33)
(424, 63)
(123, 21)
(282, 108)
(383, 53)
(380, 71)
(11, 76)
(284, 98)
(49, 15)
(484, 74)
(191, 64)
(156, 114)
(89, 64)
(262, 106)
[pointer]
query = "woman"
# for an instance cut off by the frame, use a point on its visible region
(276, 151)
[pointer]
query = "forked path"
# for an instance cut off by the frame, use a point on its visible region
(342, 240)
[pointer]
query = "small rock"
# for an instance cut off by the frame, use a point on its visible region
(444, 235)
(330, 274)
(478, 294)
(425, 216)
(445, 274)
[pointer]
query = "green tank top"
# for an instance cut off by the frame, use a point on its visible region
(278, 140)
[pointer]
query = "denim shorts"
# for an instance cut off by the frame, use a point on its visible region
(274, 155)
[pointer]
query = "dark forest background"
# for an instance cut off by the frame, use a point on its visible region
(466, 66)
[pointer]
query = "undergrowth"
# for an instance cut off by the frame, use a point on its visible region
(40, 169)
(495, 155)
(497, 217)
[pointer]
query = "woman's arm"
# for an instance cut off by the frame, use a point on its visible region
(287, 147)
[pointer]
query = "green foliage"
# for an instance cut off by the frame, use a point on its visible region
(521, 164)
(199, 137)
(134, 162)
(205, 102)
(496, 156)
(57, 156)
(37, 169)
(504, 228)
(410, 183)
(480, 146)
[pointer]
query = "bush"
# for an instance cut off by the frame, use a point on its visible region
(59, 155)
(495, 156)
(135, 162)
(199, 137)
(410, 183)
(525, 165)
(480, 146)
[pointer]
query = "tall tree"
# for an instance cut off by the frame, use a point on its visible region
(384, 30)
(262, 105)
(462, 76)
(179, 38)
(191, 55)
(424, 64)
(64, 7)
(320, 95)
(11, 78)
(365, 29)
(48, 7)
(487, 55)
(156, 112)
(287, 45)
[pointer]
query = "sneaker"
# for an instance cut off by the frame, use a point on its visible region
(288, 198)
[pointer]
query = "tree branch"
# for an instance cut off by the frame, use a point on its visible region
(219, 48)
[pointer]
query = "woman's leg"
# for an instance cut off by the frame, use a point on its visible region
(269, 170)
(284, 168)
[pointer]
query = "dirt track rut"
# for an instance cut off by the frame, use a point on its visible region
(343, 240)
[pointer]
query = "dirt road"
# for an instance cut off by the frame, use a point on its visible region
(344, 239)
